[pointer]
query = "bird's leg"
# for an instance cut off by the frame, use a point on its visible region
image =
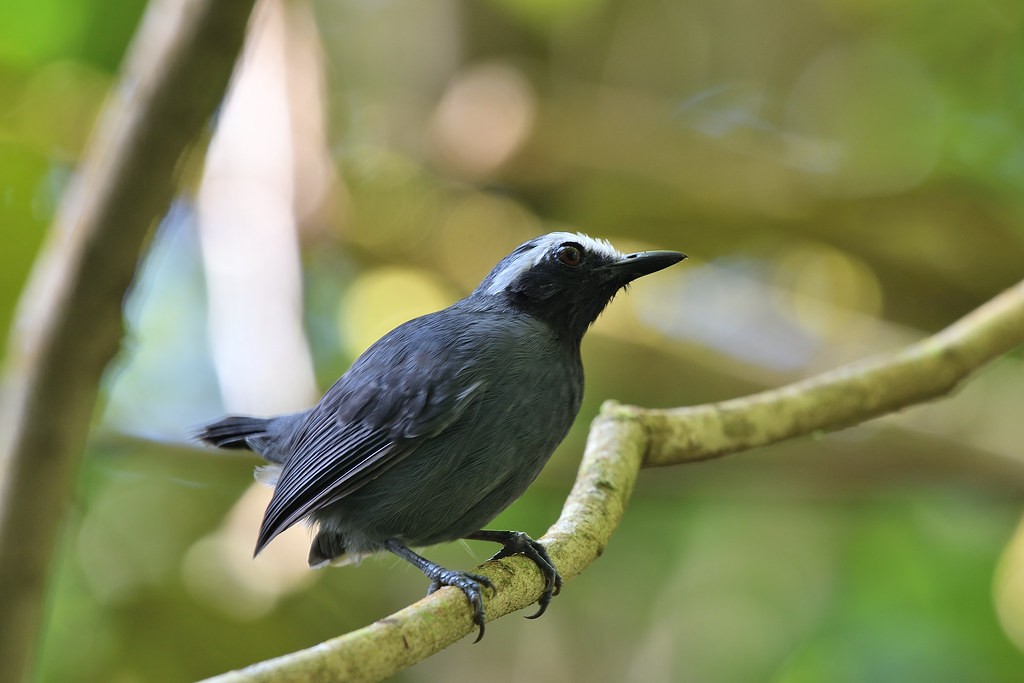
(439, 576)
(514, 542)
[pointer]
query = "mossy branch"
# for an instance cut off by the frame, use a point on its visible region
(70, 327)
(875, 386)
(625, 438)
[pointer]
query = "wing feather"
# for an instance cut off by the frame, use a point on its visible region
(371, 419)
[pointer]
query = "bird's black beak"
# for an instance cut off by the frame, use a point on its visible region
(632, 266)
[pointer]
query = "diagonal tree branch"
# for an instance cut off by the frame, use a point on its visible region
(922, 371)
(177, 70)
(625, 438)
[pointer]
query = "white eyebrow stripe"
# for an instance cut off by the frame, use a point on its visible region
(543, 246)
(600, 246)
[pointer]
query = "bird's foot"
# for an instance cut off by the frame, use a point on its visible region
(470, 584)
(518, 543)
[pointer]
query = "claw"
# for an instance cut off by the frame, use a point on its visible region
(467, 582)
(512, 543)
(470, 585)
(515, 543)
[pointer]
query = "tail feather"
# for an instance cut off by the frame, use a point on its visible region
(233, 431)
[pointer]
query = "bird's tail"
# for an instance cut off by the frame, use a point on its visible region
(234, 431)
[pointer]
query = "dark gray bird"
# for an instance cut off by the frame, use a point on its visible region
(447, 419)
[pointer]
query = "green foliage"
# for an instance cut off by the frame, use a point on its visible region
(842, 174)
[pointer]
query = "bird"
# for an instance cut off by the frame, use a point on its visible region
(446, 420)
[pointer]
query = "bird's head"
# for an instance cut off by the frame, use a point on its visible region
(566, 279)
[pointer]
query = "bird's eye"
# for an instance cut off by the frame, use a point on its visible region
(570, 254)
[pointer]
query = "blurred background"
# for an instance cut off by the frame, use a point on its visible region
(846, 177)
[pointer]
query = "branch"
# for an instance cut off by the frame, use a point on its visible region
(920, 372)
(70, 326)
(622, 440)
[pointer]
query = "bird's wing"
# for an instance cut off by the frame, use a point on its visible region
(372, 418)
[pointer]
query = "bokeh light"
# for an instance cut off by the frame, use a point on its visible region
(384, 298)
(483, 118)
(845, 177)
